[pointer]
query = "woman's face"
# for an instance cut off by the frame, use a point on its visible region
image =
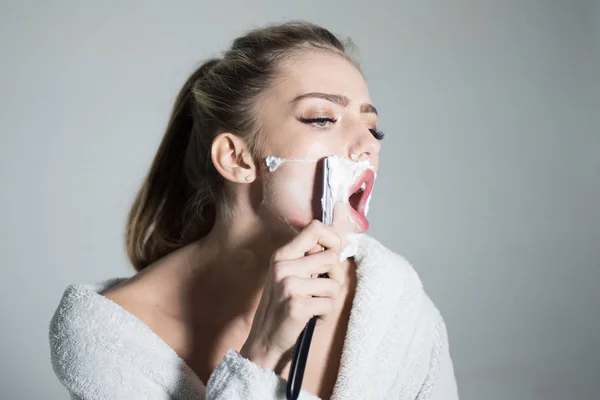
(319, 106)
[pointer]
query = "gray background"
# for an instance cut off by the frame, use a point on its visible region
(489, 184)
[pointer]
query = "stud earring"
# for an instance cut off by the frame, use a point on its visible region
(248, 178)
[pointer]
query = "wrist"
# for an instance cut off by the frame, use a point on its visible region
(259, 355)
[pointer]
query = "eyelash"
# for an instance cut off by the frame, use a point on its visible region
(379, 135)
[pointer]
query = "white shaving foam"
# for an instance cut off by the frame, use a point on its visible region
(343, 173)
(352, 240)
(275, 162)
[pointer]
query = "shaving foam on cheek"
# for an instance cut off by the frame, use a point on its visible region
(342, 174)
(273, 162)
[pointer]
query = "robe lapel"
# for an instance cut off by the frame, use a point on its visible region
(381, 325)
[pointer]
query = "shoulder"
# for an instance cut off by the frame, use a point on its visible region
(80, 309)
(85, 333)
(131, 295)
(84, 316)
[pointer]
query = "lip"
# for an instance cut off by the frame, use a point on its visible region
(358, 213)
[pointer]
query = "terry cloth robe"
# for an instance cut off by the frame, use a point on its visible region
(396, 346)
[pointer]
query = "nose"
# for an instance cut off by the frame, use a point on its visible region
(365, 146)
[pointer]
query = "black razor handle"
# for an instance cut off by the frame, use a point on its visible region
(300, 356)
(294, 384)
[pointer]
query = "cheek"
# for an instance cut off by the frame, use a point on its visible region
(289, 193)
(319, 149)
(304, 147)
(298, 203)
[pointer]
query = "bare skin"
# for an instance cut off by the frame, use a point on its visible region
(202, 314)
(246, 286)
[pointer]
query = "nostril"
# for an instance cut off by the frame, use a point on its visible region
(362, 156)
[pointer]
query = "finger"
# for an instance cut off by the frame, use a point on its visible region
(338, 274)
(316, 233)
(316, 249)
(341, 215)
(294, 287)
(304, 267)
(318, 306)
(317, 287)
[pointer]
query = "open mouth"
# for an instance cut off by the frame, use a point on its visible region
(361, 191)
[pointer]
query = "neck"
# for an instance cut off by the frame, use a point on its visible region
(235, 256)
(240, 237)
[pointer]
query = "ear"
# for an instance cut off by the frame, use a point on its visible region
(232, 159)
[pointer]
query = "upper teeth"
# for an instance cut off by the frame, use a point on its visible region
(363, 186)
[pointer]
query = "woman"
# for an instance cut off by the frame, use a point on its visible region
(226, 246)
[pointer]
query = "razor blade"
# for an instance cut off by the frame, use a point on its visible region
(327, 203)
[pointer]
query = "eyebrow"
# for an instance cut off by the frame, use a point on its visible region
(338, 99)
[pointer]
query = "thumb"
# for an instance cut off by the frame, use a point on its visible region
(342, 221)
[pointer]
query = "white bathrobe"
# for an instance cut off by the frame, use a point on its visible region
(396, 346)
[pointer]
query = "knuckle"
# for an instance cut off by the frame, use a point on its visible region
(277, 255)
(333, 257)
(279, 271)
(314, 225)
(313, 229)
(287, 287)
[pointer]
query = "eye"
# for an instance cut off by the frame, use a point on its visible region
(377, 134)
(320, 122)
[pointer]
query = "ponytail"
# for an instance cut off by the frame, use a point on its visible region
(169, 210)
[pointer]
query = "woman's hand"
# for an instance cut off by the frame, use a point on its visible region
(291, 297)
